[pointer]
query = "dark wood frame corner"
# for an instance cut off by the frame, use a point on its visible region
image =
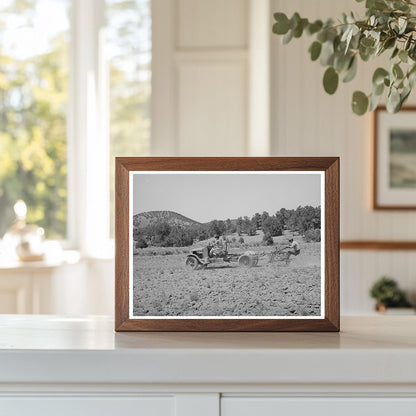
(330, 165)
(375, 205)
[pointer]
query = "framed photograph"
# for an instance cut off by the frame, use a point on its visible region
(394, 179)
(227, 244)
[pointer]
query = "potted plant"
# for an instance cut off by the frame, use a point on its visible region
(387, 294)
(389, 27)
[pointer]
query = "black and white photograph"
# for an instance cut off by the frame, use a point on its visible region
(226, 244)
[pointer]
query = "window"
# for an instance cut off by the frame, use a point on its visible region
(75, 87)
(33, 98)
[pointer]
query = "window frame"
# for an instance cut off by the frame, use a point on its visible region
(88, 133)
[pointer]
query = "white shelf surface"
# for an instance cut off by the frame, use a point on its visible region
(53, 349)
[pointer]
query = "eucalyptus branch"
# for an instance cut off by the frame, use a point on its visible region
(388, 25)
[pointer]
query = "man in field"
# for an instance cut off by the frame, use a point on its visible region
(217, 246)
(292, 249)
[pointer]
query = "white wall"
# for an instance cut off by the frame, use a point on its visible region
(200, 77)
(308, 122)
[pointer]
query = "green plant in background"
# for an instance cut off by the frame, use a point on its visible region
(387, 293)
(389, 27)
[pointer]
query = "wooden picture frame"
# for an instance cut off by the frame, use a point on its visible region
(133, 175)
(394, 184)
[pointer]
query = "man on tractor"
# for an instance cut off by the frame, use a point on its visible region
(217, 247)
(292, 249)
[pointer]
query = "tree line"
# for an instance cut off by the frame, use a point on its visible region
(304, 220)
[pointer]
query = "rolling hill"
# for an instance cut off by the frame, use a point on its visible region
(152, 217)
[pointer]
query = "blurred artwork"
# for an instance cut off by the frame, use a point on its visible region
(394, 164)
(403, 158)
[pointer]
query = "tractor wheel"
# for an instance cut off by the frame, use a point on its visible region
(192, 262)
(245, 261)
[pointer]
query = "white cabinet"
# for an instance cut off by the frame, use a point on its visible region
(79, 366)
(88, 406)
(203, 405)
(269, 406)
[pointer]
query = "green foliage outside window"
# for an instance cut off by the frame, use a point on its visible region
(33, 99)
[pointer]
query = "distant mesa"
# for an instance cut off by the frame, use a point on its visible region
(145, 219)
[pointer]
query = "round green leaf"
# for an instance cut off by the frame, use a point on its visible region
(411, 76)
(374, 102)
(314, 27)
(378, 90)
(330, 80)
(359, 103)
(367, 42)
(327, 54)
(408, 42)
(403, 56)
(412, 52)
(298, 30)
(294, 20)
(355, 41)
(288, 37)
(412, 70)
(397, 71)
(281, 27)
(366, 53)
(379, 75)
(393, 101)
(342, 62)
(403, 97)
(351, 71)
(389, 43)
(322, 36)
(400, 5)
(315, 50)
(395, 52)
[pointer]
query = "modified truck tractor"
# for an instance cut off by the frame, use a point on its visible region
(202, 257)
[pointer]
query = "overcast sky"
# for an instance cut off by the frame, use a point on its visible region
(206, 197)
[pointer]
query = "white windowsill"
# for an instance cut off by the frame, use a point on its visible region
(57, 257)
(65, 257)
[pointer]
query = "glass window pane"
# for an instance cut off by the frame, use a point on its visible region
(33, 102)
(129, 52)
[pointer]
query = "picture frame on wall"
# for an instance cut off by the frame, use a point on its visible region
(394, 163)
(227, 244)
